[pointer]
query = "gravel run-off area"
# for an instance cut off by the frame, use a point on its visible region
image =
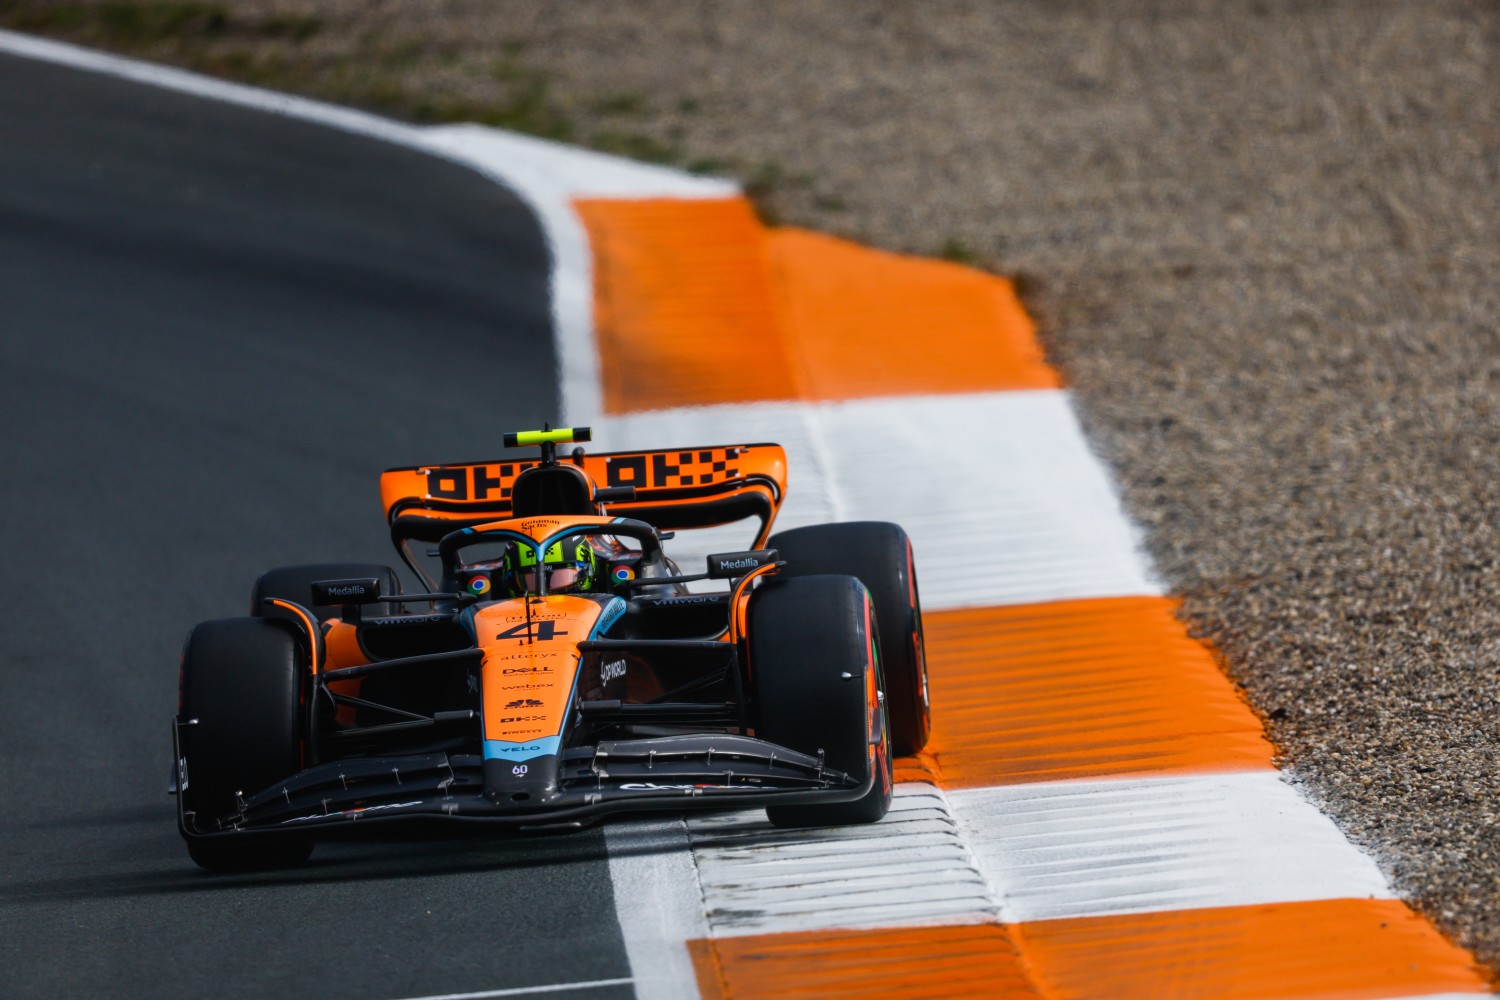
(1262, 240)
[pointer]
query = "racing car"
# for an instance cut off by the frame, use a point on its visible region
(556, 666)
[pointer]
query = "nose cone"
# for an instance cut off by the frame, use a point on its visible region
(524, 783)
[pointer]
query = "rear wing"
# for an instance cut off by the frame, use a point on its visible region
(671, 489)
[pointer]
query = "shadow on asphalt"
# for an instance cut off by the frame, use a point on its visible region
(372, 857)
(147, 813)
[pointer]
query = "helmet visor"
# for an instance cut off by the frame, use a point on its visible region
(557, 578)
(562, 577)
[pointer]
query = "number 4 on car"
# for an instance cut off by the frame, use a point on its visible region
(556, 666)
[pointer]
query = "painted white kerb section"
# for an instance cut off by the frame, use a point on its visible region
(1003, 500)
(659, 902)
(912, 868)
(1044, 851)
(1118, 845)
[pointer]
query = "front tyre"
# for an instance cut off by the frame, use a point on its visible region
(815, 679)
(242, 695)
(879, 554)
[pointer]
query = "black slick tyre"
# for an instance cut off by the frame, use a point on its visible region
(815, 680)
(294, 583)
(242, 684)
(879, 555)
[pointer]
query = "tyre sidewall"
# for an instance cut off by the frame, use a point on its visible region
(816, 683)
(879, 554)
(243, 693)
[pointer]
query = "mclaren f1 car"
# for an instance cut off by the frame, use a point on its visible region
(556, 666)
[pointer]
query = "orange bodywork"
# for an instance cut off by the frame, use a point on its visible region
(529, 649)
(530, 662)
(538, 528)
(342, 644)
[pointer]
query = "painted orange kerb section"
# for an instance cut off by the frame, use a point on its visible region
(866, 323)
(1349, 948)
(1080, 689)
(697, 304)
(684, 314)
(980, 960)
(1338, 947)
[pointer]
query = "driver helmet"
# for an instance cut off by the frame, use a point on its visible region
(567, 566)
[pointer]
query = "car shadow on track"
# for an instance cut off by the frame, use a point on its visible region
(95, 819)
(167, 869)
(154, 862)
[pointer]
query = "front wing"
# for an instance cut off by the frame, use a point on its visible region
(672, 773)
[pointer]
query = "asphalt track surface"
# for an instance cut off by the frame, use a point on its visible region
(216, 327)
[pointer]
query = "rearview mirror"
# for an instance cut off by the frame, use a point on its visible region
(363, 591)
(729, 565)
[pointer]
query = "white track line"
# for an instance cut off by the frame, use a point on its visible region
(529, 991)
(659, 902)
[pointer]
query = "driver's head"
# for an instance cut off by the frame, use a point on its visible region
(568, 565)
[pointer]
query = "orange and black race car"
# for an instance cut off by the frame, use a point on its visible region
(558, 667)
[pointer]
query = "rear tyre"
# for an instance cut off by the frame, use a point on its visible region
(879, 555)
(815, 678)
(294, 583)
(242, 681)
